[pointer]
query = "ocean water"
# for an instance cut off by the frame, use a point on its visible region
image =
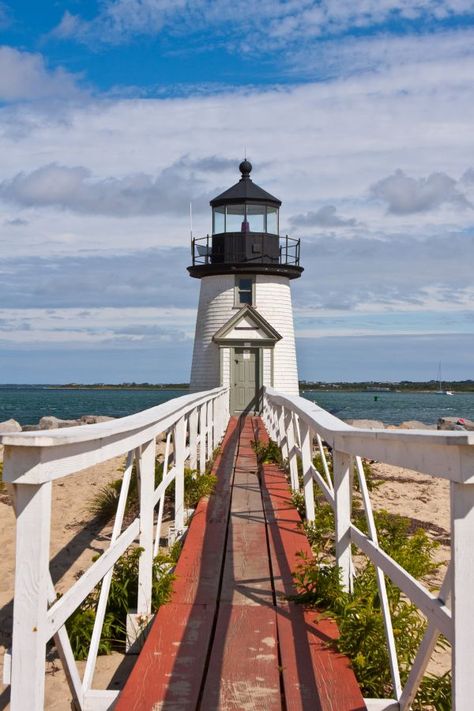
(28, 404)
(394, 408)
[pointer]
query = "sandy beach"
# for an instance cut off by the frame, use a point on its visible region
(77, 536)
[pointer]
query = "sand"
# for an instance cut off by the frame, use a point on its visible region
(77, 537)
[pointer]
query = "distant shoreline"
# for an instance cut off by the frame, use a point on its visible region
(373, 388)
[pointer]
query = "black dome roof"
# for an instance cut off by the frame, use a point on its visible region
(245, 191)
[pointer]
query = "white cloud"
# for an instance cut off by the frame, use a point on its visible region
(76, 189)
(354, 55)
(325, 216)
(25, 76)
(405, 195)
(95, 327)
(250, 26)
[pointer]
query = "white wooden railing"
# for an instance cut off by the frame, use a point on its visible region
(295, 423)
(193, 425)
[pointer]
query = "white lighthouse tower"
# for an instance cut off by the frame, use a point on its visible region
(244, 329)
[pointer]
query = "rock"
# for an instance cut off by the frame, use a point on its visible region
(94, 419)
(10, 426)
(413, 425)
(455, 423)
(53, 423)
(367, 424)
(31, 428)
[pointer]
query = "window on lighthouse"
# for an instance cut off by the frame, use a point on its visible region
(244, 291)
(256, 218)
(235, 221)
(245, 218)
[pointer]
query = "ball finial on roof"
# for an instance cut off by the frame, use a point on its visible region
(245, 168)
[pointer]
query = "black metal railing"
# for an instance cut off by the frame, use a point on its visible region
(253, 248)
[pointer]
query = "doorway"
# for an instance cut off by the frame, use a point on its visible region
(245, 380)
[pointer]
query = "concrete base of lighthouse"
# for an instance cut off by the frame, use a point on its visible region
(242, 346)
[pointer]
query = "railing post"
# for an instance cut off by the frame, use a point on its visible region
(273, 419)
(215, 424)
(202, 438)
(146, 470)
(342, 498)
(209, 429)
(283, 441)
(179, 446)
(307, 463)
(462, 534)
(292, 459)
(193, 426)
(33, 516)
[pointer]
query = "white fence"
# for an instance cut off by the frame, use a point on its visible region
(295, 423)
(194, 425)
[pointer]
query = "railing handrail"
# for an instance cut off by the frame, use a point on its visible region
(332, 424)
(289, 248)
(120, 425)
(368, 442)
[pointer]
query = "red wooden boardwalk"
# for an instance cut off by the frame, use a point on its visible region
(230, 639)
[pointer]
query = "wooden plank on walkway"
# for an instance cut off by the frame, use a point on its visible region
(247, 579)
(243, 673)
(168, 672)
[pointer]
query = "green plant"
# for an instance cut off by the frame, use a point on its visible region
(270, 452)
(196, 486)
(359, 614)
(297, 499)
(122, 599)
(320, 532)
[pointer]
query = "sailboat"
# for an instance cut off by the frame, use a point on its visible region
(440, 390)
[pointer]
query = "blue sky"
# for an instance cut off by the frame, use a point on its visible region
(115, 114)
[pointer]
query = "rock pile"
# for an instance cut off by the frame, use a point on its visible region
(455, 423)
(51, 423)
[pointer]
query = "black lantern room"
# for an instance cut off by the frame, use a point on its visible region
(245, 235)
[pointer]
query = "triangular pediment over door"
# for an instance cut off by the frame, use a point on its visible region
(247, 324)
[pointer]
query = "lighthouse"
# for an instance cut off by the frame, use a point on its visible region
(244, 328)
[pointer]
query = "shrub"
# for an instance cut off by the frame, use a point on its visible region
(122, 599)
(196, 486)
(270, 452)
(359, 614)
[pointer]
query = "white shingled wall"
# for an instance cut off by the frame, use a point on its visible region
(267, 366)
(216, 302)
(216, 307)
(273, 300)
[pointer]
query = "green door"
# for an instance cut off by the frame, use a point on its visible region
(245, 380)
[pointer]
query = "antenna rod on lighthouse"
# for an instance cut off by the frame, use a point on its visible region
(191, 219)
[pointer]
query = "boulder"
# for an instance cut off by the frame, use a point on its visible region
(94, 419)
(413, 425)
(10, 426)
(31, 428)
(53, 423)
(367, 424)
(455, 423)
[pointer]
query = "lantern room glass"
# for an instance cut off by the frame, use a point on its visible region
(256, 218)
(245, 218)
(219, 220)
